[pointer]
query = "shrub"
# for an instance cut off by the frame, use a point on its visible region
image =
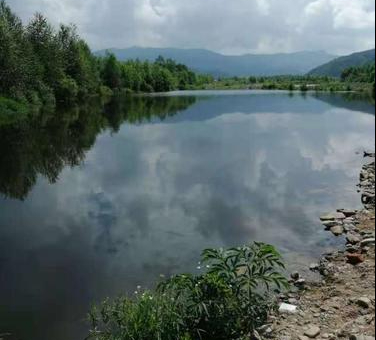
(47, 96)
(227, 302)
(11, 110)
(105, 91)
(67, 90)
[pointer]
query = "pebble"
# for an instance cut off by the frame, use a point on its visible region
(333, 216)
(355, 259)
(337, 230)
(353, 239)
(368, 241)
(314, 266)
(295, 276)
(313, 332)
(348, 212)
(285, 308)
(364, 302)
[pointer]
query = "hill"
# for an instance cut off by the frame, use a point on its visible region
(335, 67)
(205, 61)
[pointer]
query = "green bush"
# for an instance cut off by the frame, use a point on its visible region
(105, 91)
(304, 88)
(46, 95)
(228, 301)
(67, 90)
(11, 110)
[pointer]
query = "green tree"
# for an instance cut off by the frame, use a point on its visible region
(111, 72)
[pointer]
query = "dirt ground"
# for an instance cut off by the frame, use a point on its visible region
(342, 304)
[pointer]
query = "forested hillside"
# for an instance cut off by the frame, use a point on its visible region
(361, 74)
(337, 66)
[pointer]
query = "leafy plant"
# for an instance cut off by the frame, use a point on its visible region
(227, 302)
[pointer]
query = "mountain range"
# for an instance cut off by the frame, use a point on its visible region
(335, 67)
(317, 63)
(205, 61)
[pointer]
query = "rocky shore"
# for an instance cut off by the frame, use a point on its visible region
(342, 304)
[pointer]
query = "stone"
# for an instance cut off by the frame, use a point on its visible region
(361, 337)
(364, 302)
(330, 224)
(367, 242)
(333, 216)
(286, 337)
(355, 259)
(313, 332)
(353, 238)
(285, 308)
(256, 336)
(295, 276)
(348, 212)
(314, 266)
(368, 154)
(300, 283)
(337, 230)
(349, 227)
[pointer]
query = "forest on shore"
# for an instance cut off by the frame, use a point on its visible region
(44, 66)
(41, 66)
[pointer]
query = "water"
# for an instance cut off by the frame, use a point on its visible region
(95, 201)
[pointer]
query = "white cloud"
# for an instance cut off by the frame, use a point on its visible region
(238, 26)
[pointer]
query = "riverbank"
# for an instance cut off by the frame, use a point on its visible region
(341, 305)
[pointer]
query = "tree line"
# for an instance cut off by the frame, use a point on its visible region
(360, 74)
(45, 66)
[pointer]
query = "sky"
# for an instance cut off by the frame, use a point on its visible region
(226, 26)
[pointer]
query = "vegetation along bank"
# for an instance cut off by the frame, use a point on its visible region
(41, 66)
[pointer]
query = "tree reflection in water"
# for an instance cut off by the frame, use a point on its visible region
(44, 144)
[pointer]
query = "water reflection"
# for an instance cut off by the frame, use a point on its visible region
(46, 144)
(143, 185)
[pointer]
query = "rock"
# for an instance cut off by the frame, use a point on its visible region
(333, 216)
(347, 212)
(295, 276)
(313, 332)
(256, 336)
(364, 302)
(349, 227)
(361, 337)
(300, 283)
(369, 154)
(337, 230)
(352, 249)
(263, 329)
(287, 309)
(314, 266)
(286, 337)
(330, 224)
(367, 242)
(355, 259)
(353, 238)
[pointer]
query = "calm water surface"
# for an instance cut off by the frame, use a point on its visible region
(97, 200)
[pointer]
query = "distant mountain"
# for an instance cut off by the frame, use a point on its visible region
(335, 67)
(205, 61)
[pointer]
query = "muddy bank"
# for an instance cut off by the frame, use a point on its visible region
(342, 304)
